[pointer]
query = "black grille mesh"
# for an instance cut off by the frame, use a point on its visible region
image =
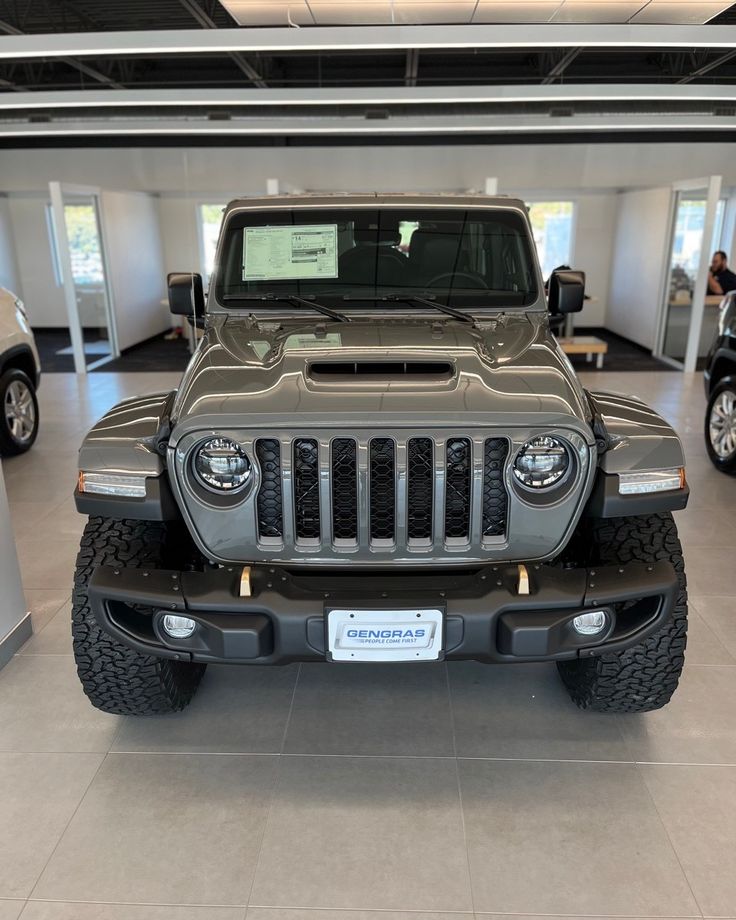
(269, 503)
(344, 489)
(495, 499)
(420, 488)
(382, 489)
(457, 491)
(306, 489)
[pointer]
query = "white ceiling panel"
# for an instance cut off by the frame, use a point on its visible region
(614, 11)
(270, 13)
(515, 10)
(680, 12)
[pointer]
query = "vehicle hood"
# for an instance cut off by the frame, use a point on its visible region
(507, 370)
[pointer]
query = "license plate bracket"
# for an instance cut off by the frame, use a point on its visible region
(384, 634)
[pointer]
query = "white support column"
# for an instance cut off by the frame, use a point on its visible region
(15, 620)
(701, 282)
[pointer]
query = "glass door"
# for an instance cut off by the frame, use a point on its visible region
(82, 266)
(685, 301)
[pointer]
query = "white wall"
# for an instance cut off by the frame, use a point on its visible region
(639, 257)
(130, 226)
(8, 268)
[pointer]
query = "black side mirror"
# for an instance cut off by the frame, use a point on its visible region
(566, 292)
(186, 295)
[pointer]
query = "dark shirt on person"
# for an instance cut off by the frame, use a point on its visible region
(726, 279)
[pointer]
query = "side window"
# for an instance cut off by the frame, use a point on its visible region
(209, 218)
(552, 226)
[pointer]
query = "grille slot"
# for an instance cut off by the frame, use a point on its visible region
(306, 489)
(495, 497)
(344, 468)
(459, 461)
(269, 501)
(420, 488)
(382, 466)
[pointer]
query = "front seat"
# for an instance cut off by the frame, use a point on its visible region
(374, 260)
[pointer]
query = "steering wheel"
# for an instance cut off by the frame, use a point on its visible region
(477, 280)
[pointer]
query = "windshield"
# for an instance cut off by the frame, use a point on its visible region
(470, 257)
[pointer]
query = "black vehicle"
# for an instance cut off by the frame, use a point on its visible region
(720, 390)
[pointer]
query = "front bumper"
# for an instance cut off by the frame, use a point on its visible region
(284, 619)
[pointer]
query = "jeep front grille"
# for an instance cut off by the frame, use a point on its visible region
(344, 494)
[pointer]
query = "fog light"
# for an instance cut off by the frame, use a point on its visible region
(590, 623)
(178, 627)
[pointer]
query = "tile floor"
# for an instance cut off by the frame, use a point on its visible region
(319, 793)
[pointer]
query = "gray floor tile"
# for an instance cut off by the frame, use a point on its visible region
(698, 808)
(48, 563)
(10, 910)
(280, 913)
(164, 829)
(697, 726)
(43, 708)
(55, 638)
(720, 615)
(364, 833)
(44, 603)
(60, 910)
(524, 711)
(568, 838)
(371, 709)
(236, 709)
(710, 570)
(698, 527)
(38, 795)
(704, 645)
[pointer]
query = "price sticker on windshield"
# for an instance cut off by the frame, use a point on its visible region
(290, 253)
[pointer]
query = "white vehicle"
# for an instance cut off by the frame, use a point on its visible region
(20, 372)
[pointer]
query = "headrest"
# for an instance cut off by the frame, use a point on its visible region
(366, 232)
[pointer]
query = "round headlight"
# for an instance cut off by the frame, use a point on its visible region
(222, 465)
(541, 463)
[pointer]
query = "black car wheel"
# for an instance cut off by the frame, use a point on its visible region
(18, 413)
(720, 427)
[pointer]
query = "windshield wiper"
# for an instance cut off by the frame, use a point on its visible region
(428, 301)
(288, 298)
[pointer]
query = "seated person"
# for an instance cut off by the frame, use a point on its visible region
(721, 279)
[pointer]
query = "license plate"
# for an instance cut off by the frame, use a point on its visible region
(384, 635)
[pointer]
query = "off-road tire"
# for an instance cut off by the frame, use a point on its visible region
(642, 678)
(116, 678)
(10, 446)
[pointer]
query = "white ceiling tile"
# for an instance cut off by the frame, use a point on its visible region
(603, 11)
(269, 12)
(680, 12)
(457, 12)
(516, 11)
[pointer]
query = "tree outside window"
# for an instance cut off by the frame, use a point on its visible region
(210, 218)
(552, 223)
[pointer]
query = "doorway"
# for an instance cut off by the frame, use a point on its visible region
(685, 323)
(82, 266)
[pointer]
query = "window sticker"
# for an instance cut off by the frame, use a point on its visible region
(296, 253)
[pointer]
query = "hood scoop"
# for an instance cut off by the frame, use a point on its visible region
(431, 371)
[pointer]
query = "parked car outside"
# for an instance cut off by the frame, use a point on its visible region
(20, 374)
(720, 390)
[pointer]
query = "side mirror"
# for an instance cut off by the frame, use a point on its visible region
(186, 295)
(566, 292)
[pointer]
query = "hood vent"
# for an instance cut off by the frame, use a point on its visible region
(395, 370)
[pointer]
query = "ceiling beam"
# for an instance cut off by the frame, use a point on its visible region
(401, 125)
(707, 68)
(366, 38)
(88, 71)
(412, 67)
(561, 66)
(661, 93)
(245, 67)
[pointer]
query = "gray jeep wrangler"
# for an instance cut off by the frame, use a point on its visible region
(379, 453)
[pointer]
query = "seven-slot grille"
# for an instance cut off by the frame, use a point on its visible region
(382, 492)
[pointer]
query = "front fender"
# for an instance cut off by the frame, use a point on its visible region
(128, 439)
(638, 439)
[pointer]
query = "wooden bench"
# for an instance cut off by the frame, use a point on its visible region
(587, 345)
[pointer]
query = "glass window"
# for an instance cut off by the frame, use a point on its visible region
(552, 223)
(458, 255)
(210, 218)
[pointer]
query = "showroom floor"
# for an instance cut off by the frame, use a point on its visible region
(316, 791)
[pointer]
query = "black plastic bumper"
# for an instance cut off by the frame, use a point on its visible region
(285, 618)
